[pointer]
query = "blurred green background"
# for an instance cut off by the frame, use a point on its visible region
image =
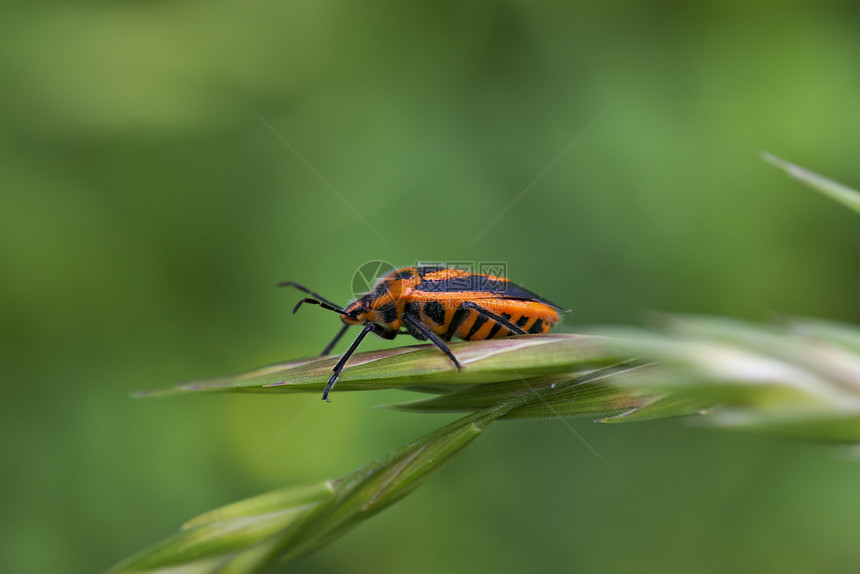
(148, 211)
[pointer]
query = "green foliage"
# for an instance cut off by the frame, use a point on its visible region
(147, 212)
(251, 535)
(512, 359)
(800, 379)
(563, 376)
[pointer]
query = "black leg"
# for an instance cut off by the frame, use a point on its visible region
(490, 315)
(334, 341)
(463, 311)
(308, 291)
(383, 332)
(340, 364)
(432, 336)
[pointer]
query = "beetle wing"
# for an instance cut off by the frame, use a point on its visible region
(513, 291)
(483, 286)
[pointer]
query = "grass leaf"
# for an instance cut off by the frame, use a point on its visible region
(256, 533)
(252, 535)
(800, 379)
(419, 367)
(835, 190)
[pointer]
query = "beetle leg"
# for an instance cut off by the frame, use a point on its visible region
(334, 341)
(432, 336)
(463, 311)
(342, 362)
(490, 315)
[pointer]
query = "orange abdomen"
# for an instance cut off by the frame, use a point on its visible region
(530, 316)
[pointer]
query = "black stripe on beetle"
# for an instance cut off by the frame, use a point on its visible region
(479, 322)
(498, 326)
(435, 312)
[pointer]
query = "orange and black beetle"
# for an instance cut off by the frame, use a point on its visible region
(438, 303)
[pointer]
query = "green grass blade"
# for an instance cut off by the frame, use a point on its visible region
(661, 407)
(585, 394)
(419, 366)
(477, 397)
(287, 499)
(254, 534)
(802, 425)
(840, 335)
(837, 191)
(590, 395)
(213, 544)
(800, 380)
(371, 489)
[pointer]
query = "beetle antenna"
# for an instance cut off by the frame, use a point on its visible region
(322, 304)
(308, 291)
